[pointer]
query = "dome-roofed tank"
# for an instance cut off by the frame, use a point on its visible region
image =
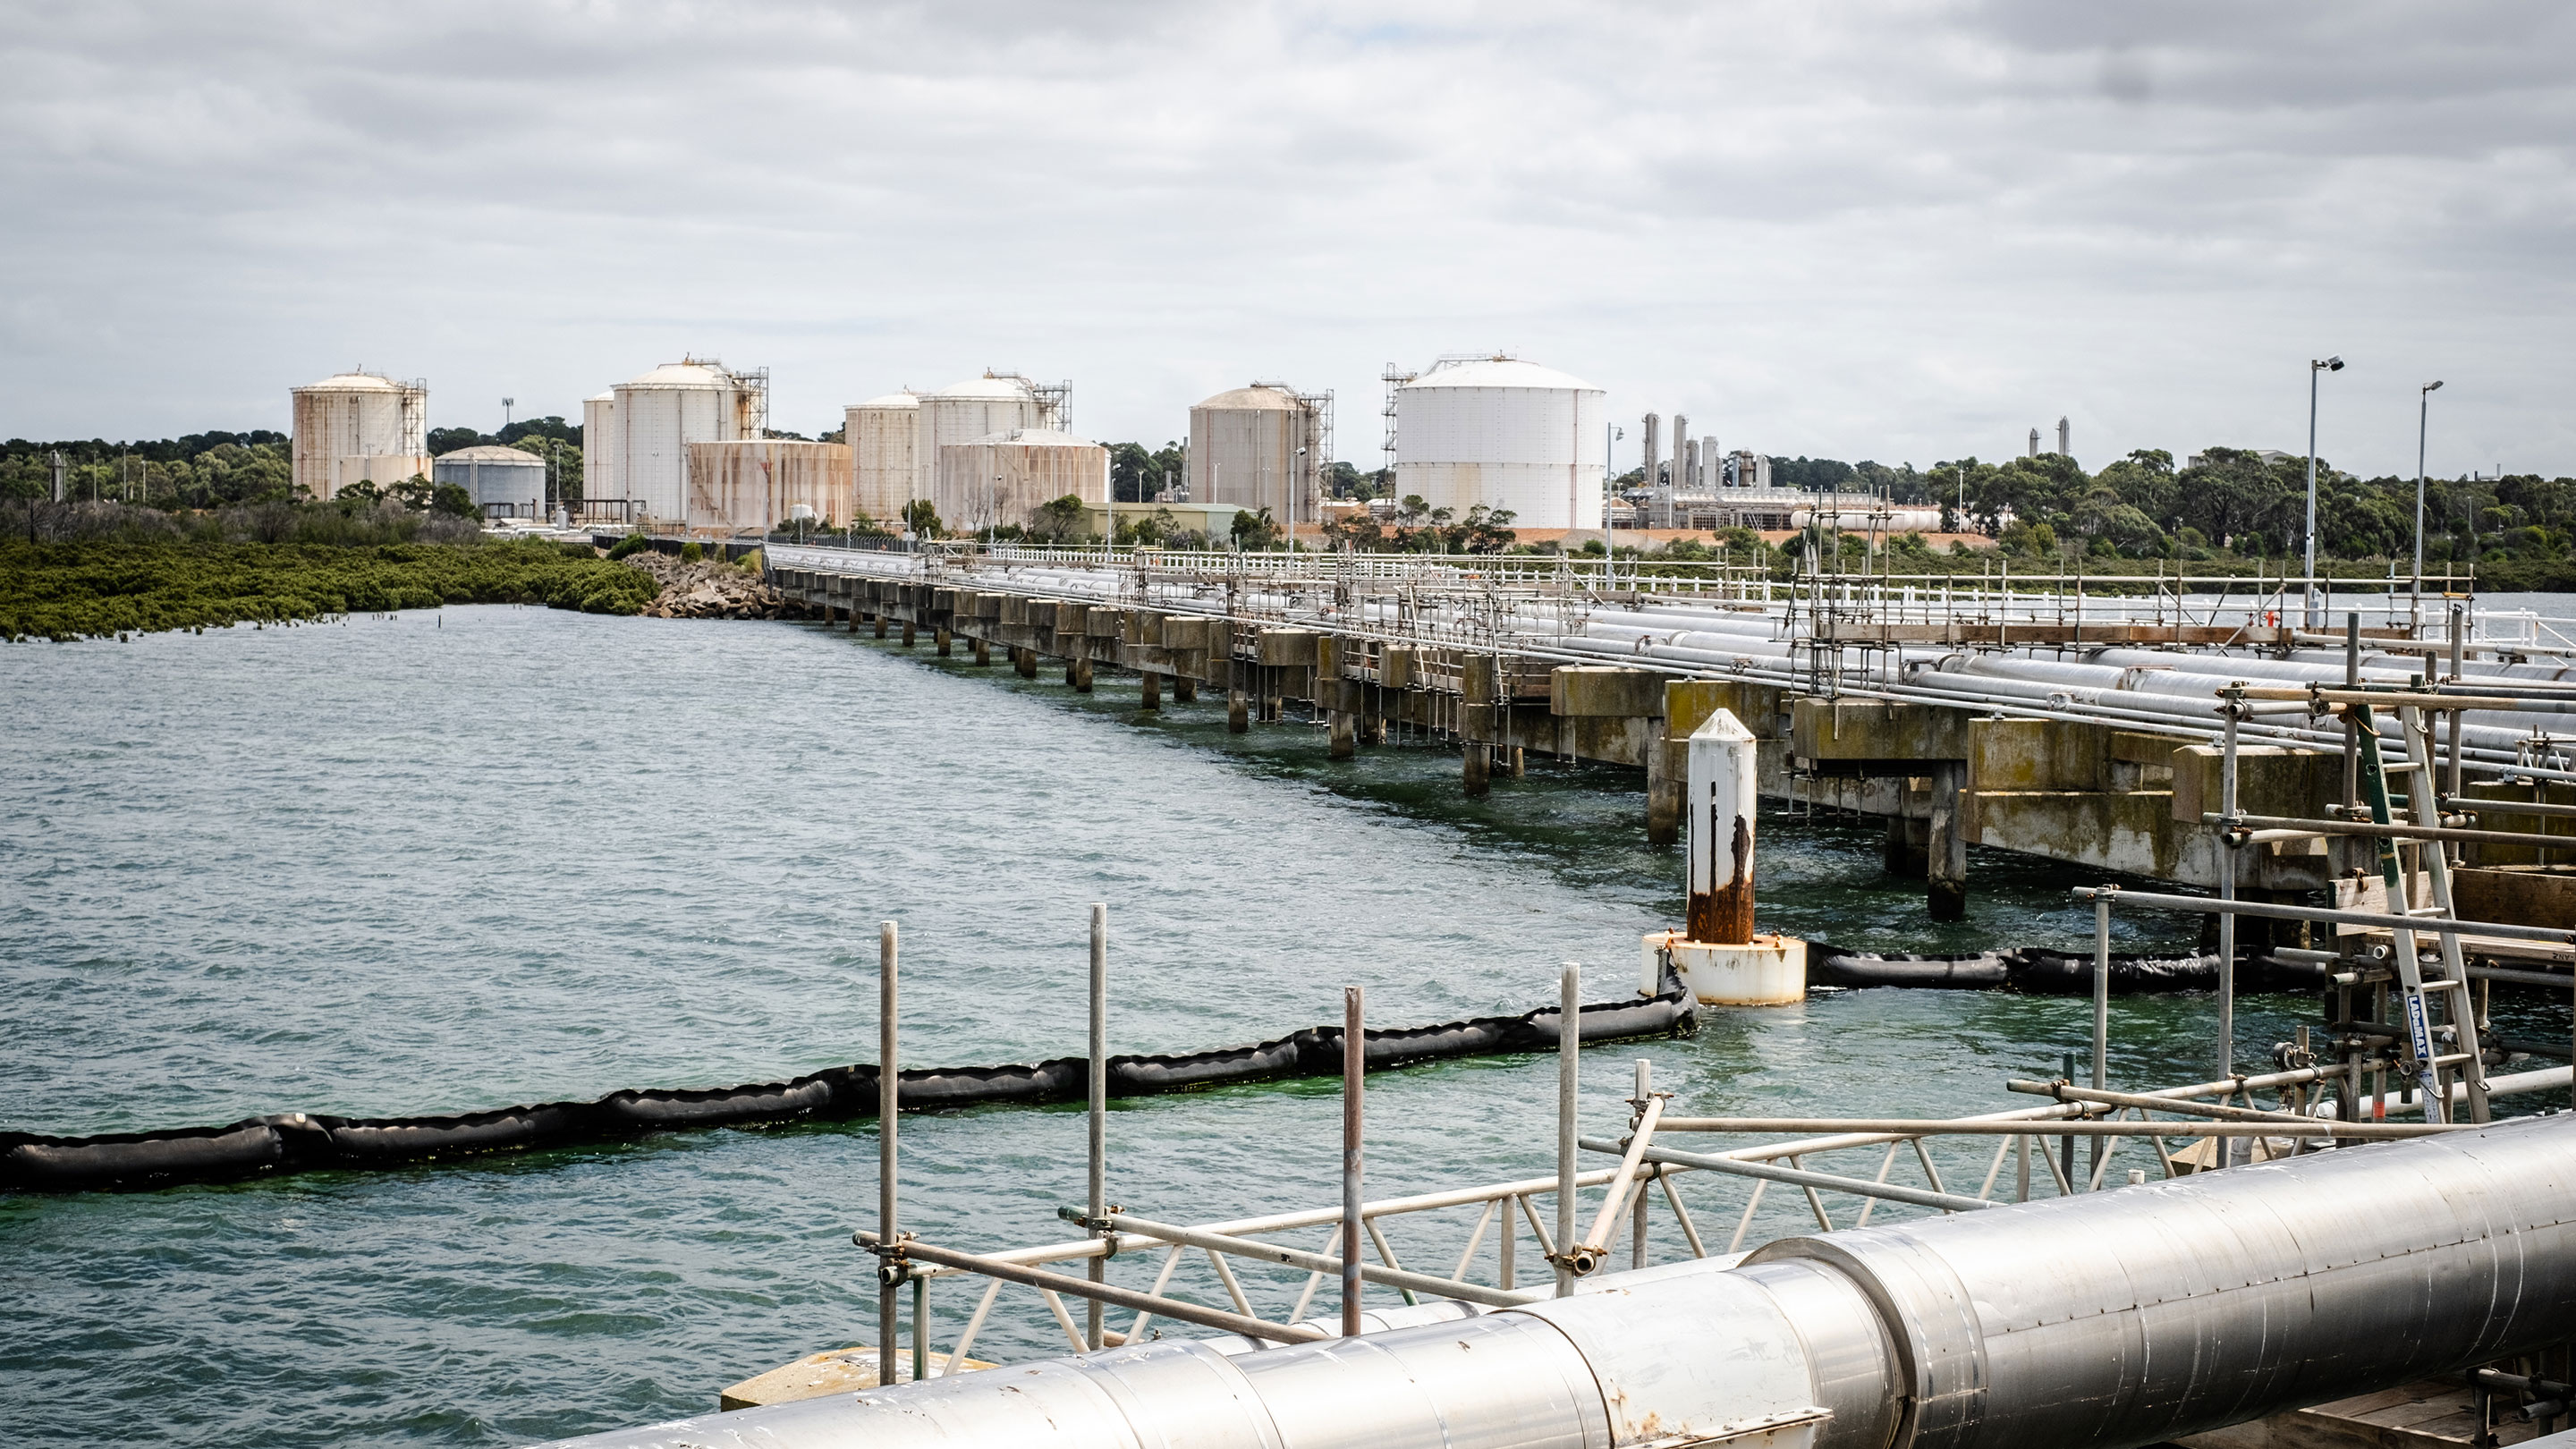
(1506, 433)
(1244, 449)
(504, 482)
(979, 407)
(661, 412)
(999, 478)
(359, 425)
(884, 434)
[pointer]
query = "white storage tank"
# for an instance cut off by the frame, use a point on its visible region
(359, 425)
(749, 485)
(998, 479)
(1244, 450)
(979, 407)
(884, 437)
(599, 480)
(504, 482)
(1504, 433)
(660, 413)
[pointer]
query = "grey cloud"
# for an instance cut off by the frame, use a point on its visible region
(1890, 230)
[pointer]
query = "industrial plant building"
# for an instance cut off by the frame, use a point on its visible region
(1495, 430)
(1262, 446)
(359, 427)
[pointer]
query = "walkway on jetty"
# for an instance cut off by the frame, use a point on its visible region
(2076, 719)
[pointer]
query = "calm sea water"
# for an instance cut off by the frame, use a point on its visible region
(446, 861)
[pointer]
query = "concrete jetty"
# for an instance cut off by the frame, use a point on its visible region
(2091, 736)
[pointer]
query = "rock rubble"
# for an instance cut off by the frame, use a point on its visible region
(705, 590)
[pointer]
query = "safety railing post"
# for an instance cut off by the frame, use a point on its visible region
(889, 1083)
(1354, 1122)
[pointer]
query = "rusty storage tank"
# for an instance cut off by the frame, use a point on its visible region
(359, 425)
(998, 479)
(884, 436)
(1244, 449)
(599, 480)
(1496, 430)
(749, 485)
(504, 482)
(977, 408)
(659, 414)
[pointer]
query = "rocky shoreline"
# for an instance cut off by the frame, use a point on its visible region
(706, 590)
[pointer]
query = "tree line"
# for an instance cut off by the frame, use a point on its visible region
(203, 470)
(2240, 503)
(2220, 503)
(221, 469)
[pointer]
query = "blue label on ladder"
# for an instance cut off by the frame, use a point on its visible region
(2419, 1030)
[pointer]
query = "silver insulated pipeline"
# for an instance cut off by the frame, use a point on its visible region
(2110, 1319)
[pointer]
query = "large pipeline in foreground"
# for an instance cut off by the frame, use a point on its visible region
(2105, 1320)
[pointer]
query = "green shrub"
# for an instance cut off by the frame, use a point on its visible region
(690, 552)
(632, 543)
(97, 589)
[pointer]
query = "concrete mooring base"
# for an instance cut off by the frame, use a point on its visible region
(1767, 971)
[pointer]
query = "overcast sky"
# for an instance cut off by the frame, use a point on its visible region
(1895, 231)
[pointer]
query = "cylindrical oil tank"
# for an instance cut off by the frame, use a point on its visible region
(748, 485)
(884, 435)
(1243, 451)
(599, 472)
(359, 425)
(968, 411)
(504, 482)
(998, 479)
(1504, 433)
(659, 414)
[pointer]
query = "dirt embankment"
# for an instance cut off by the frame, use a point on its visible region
(705, 590)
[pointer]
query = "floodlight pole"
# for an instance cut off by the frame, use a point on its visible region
(2423, 420)
(1296, 485)
(2331, 364)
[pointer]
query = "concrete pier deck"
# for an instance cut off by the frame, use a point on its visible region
(1509, 664)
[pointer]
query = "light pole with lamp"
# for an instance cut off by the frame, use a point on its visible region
(1296, 485)
(2423, 420)
(1610, 486)
(2331, 364)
